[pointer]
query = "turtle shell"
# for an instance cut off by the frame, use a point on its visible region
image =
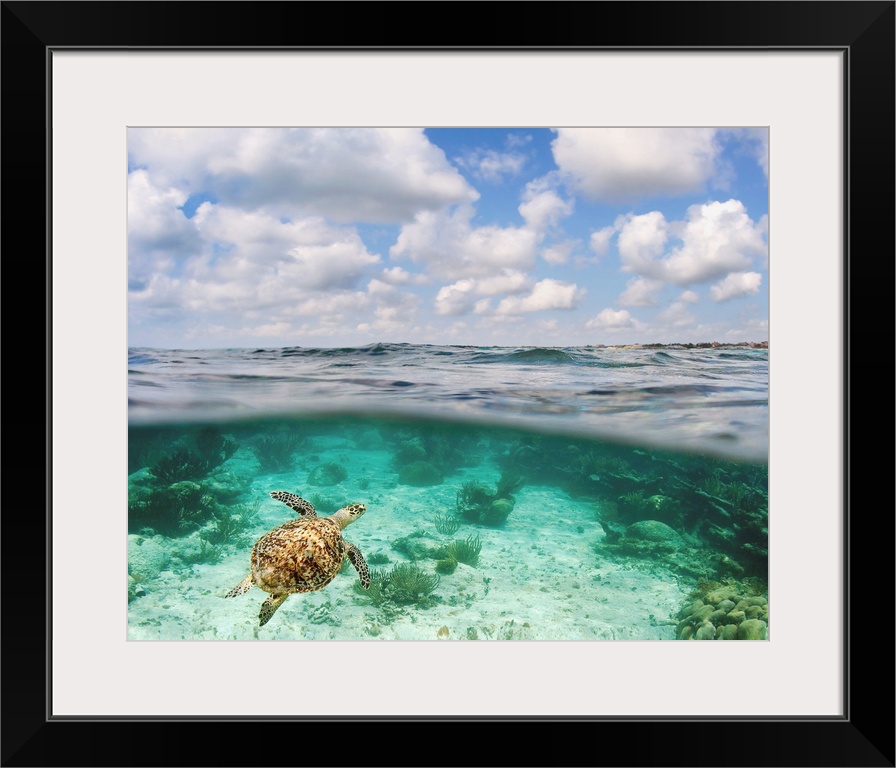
(302, 555)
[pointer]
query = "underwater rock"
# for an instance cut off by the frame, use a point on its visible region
(410, 451)
(717, 596)
(419, 473)
(147, 558)
(735, 617)
(700, 615)
(653, 530)
(727, 632)
(749, 601)
(691, 608)
(706, 631)
(752, 629)
(717, 617)
(497, 513)
(327, 474)
(650, 538)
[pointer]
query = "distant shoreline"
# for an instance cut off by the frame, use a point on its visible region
(678, 345)
(687, 345)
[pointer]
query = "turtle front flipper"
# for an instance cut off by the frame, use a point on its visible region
(244, 586)
(269, 606)
(304, 508)
(357, 559)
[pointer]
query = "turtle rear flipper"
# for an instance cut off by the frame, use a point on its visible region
(269, 606)
(244, 586)
(357, 559)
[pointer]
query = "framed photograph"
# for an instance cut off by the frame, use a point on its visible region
(575, 320)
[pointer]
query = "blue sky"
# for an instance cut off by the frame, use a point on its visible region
(320, 237)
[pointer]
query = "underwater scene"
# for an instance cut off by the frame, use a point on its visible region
(410, 492)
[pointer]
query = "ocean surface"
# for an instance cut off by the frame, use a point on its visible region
(581, 493)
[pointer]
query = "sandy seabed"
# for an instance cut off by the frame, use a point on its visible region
(539, 577)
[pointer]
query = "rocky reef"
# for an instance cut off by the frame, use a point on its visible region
(653, 540)
(730, 610)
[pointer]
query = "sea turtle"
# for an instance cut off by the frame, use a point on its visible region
(302, 555)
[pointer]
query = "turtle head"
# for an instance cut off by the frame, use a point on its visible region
(349, 514)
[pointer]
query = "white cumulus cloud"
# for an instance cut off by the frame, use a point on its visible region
(558, 253)
(460, 297)
(345, 174)
(736, 284)
(546, 294)
(510, 281)
(619, 164)
(640, 292)
(600, 240)
(399, 276)
(159, 235)
(542, 209)
(456, 299)
(717, 238)
(309, 254)
(452, 248)
(641, 242)
(611, 320)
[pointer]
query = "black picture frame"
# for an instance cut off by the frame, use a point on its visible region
(863, 736)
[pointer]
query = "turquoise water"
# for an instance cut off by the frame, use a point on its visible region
(511, 494)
